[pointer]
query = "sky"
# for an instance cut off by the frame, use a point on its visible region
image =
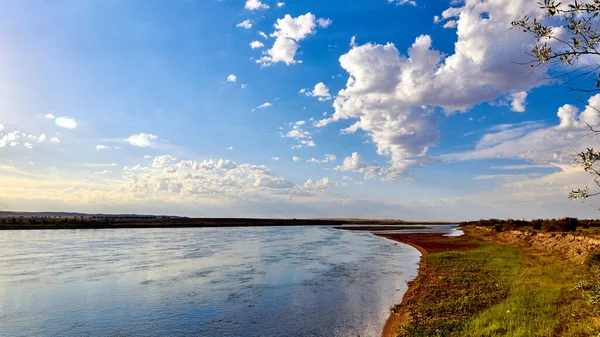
(415, 110)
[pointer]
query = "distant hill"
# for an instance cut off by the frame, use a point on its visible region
(9, 214)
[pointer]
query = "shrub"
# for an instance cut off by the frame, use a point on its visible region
(537, 224)
(567, 224)
(593, 259)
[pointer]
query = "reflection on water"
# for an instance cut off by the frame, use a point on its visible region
(304, 281)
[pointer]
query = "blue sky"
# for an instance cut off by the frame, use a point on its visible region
(388, 109)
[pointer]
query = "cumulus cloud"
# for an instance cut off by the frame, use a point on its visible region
(142, 140)
(49, 116)
(246, 24)
(303, 137)
(19, 139)
(102, 147)
(320, 91)
(393, 96)
(54, 140)
(255, 4)
(288, 33)
(65, 122)
(256, 44)
(162, 161)
(280, 4)
(275, 158)
(355, 163)
(296, 158)
(231, 78)
(319, 184)
(214, 179)
(304, 143)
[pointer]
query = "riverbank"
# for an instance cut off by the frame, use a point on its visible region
(474, 286)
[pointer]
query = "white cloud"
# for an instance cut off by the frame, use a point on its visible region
(142, 140)
(244, 86)
(355, 163)
(162, 161)
(280, 4)
(536, 143)
(246, 24)
(283, 50)
(321, 91)
(304, 143)
(297, 133)
(261, 33)
(231, 78)
(518, 101)
(275, 158)
(393, 97)
(265, 105)
(450, 24)
(328, 158)
(102, 147)
(296, 158)
(54, 140)
(16, 138)
(303, 137)
(49, 116)
(230, 148)
(256, 44)
(289, 32)
(103, 172)
(353, 41)
(324, 23)
(319, 184)
(255, 4)
(65, 122)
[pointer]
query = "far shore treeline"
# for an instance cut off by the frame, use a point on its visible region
(547, 225)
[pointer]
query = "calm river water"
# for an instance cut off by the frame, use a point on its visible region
(276, 281)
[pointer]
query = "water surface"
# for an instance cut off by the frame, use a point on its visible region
(275, 281)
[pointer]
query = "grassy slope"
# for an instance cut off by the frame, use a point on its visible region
(495, 290)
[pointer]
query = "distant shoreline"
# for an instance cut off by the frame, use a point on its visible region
(42, 222)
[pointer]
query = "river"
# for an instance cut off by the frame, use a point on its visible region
(269, 281)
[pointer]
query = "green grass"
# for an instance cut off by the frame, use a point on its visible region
(496, 290)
